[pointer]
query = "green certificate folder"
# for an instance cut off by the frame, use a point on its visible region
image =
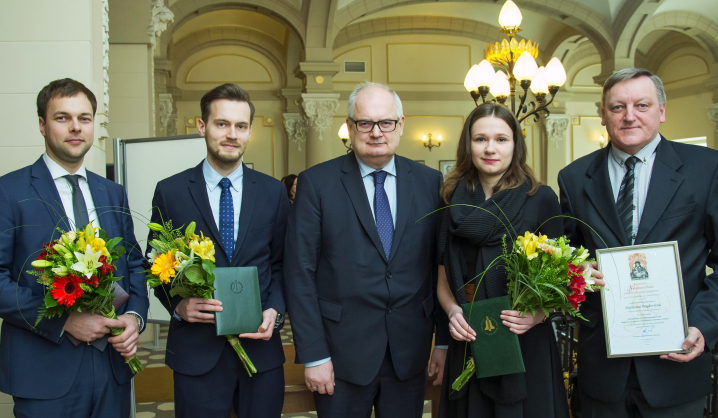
(496, 350)
(238, 290)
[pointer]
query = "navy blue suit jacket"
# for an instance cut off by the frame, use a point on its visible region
(348, 301)
(194, 348)
(40, 363)
(681, 205)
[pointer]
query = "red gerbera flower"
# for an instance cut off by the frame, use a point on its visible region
(65, 290)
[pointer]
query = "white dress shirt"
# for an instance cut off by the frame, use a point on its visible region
(214, 191)
(641, 173)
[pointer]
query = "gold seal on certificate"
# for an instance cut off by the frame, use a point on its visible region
(644, 311)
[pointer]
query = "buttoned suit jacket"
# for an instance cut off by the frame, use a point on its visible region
(40, 362)
(681, 205)
(194, 348)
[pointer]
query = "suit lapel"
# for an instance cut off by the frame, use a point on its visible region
(600, 192)
(354, 186)
(198, 190)
(102, 205)
(249, 192)
(404, 197)
(663, 186)
(45, 187)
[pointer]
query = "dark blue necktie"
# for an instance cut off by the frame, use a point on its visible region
(382, 211)
(226, 217)
(624, 203)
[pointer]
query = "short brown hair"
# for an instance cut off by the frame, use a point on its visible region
(227, 91)
(65, 87)
(518, 172)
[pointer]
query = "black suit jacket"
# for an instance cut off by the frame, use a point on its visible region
(194, 348)
(681, 205)
(346, 300)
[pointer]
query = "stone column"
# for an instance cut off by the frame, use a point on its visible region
(319, 109)
(160, 17)
(558, 153)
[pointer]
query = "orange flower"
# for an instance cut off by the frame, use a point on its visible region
(164, 266)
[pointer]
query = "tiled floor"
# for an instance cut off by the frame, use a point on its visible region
(156, 358)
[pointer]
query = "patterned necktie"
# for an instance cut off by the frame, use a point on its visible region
(78, 202)
(226, 217)
(624, 203)
(382, 211)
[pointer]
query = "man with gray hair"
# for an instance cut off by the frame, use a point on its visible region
(644, 189)
(360, 271)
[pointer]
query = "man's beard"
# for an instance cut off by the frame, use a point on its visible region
(227, 157)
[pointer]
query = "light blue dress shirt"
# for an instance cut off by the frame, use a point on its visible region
(642, 177)
(214, 192)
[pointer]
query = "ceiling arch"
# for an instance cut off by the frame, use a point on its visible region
(702, 29)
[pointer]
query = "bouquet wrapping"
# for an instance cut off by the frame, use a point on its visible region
(185, 262)
(77, 271)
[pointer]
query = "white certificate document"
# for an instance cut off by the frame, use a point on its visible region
(644, 311)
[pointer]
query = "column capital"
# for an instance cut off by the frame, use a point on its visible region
(317, 75)
(296, 125)
(168, 119)
(713, 114)
(319, 109)
(556, 127)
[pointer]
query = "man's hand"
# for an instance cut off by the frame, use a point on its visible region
(436, 366)
(519, 323)
(196, 309)
(266, 329)
(597, 275)
(89, 327)
(694, 341)
(126, 343)
(320, 378)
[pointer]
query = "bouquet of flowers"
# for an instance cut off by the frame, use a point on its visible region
(185, 261)
(77, 271)
(543, 274)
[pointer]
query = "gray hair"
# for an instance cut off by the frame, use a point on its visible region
(629, 74)
(351, 106)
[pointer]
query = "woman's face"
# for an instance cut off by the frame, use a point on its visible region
(293, 190)
(492, 146)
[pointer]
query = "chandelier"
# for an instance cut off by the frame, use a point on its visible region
(518, 62)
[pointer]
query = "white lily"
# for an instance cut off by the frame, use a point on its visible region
(152, 255)
(87, 263)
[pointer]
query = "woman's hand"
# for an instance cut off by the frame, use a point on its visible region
(520, 322)
(459, 328)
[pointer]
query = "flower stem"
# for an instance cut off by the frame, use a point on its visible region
(133, 362)
(243, 357)
(463, 378)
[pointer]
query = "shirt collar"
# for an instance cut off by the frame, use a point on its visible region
(366, 170)
(620, 157)
(212, 177)
(56, 170)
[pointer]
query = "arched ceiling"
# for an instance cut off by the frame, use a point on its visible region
(708, 8)
(230, 19)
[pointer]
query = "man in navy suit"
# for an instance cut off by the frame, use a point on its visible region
(46, 373)
(644, 189)
(361, 269)
(244, 212)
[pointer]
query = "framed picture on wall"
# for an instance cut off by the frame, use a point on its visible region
(250, 165)
(421, 161)
(445, 166)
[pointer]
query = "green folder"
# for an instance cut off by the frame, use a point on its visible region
(496, 350)
(238, 290)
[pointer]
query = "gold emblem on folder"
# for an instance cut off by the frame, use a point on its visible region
(489, 325)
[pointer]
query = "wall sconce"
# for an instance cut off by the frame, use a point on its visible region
(602, 141)
(344, 136)
(429, 144)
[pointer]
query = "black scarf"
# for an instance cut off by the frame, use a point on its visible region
(466, 225)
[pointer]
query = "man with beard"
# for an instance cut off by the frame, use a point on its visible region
(47, 372)
(245, 213)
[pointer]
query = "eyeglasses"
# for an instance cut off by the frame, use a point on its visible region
(368, 125)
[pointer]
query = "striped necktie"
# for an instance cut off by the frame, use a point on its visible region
(624, 203)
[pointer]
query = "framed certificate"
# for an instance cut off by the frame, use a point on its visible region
(644, 310)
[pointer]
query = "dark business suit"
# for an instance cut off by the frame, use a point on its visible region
(193, 349)
(41, 363)
(346, 300)
(681, 205)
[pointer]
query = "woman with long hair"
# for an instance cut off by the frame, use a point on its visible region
(491, 174)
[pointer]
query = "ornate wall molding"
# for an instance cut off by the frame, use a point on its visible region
(556, 128)
(296, 126)
(713, 114)
(319, 108)
(106, 54)
(160, 18)
(168, 121)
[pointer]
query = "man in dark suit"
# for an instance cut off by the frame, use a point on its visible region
(644, 189)
(361, 270)
(42, 369)
(244, 212)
